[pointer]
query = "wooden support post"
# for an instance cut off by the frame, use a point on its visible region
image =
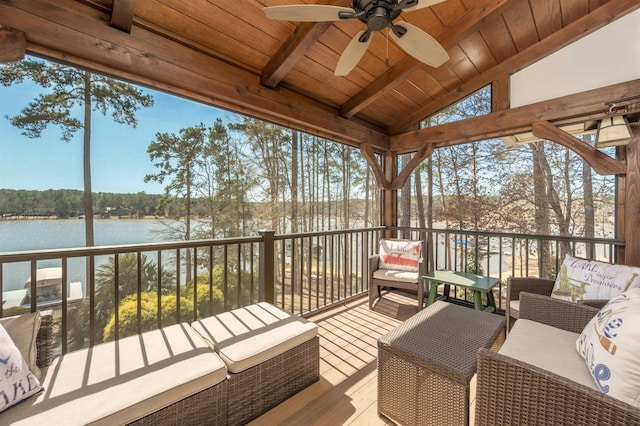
(631, 194)
(389, 196)
(267, 267)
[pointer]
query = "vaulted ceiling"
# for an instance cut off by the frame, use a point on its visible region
(228, 53)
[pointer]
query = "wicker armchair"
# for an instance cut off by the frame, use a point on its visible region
(512, 392)
(535, 285)
(401, 280)
(523, 284)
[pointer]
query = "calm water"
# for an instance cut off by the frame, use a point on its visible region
(20, 235)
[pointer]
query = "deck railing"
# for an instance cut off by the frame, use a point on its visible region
(131, 288)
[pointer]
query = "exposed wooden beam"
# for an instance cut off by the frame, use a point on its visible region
(304, 36)
(600, 162)
(424, 152)
(396, 74)
(13, 44)
(516, 120)
(589, 23)
(122, 14)
(500, 93)
(82, 38)
(398, 182)
(300, 41)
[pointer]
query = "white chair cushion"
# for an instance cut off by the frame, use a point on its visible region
(247, 336)
(549, 348)
(118, 382)
(390, 275)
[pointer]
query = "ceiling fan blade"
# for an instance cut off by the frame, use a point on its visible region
(409, 5)
(419, 44)
(353, 53)
(307, 12)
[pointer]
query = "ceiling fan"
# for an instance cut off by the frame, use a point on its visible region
(377, 15)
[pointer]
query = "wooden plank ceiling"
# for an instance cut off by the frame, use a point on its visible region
(286, 68)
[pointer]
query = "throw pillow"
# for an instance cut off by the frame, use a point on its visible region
(16, 381)
(400, 255)
(582, 279)
(23, 330)
(610, 344)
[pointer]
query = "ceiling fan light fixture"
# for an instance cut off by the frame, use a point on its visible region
(613, 131)
(376, 15)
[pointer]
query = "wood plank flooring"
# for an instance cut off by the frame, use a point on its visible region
(346, 393)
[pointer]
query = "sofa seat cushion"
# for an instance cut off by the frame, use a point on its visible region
(549, 348)
(390, 275)
(118, 382)
(248, 336)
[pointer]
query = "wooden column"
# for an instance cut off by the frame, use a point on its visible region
(630, 192)
(389, 196)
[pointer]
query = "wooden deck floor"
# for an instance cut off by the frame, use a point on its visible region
(347, 391)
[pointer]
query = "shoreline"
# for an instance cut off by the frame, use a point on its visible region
(16, 218)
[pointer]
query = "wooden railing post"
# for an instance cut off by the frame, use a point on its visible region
(267, 267)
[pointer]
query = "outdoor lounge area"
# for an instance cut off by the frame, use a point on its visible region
(501, 138)
(378, 364)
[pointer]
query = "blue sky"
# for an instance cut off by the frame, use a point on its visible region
(119, 152)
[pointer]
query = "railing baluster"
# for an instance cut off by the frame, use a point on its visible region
(195, 284)
(64, 319)
(225, 277)
(159, 287)
(211, 280)
(178, 279)
(116, 296)
(92, 301)
(139, 290)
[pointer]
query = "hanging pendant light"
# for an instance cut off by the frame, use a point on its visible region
(613, 130)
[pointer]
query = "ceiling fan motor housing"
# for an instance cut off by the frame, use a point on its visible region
(378, 14)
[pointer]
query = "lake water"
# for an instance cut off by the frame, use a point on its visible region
(22, 235)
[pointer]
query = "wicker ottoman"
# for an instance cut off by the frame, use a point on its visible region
(425, 364)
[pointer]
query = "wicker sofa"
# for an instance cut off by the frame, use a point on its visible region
(172, 376)
(544, 381)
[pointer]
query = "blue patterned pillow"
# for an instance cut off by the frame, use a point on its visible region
(610, 345)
